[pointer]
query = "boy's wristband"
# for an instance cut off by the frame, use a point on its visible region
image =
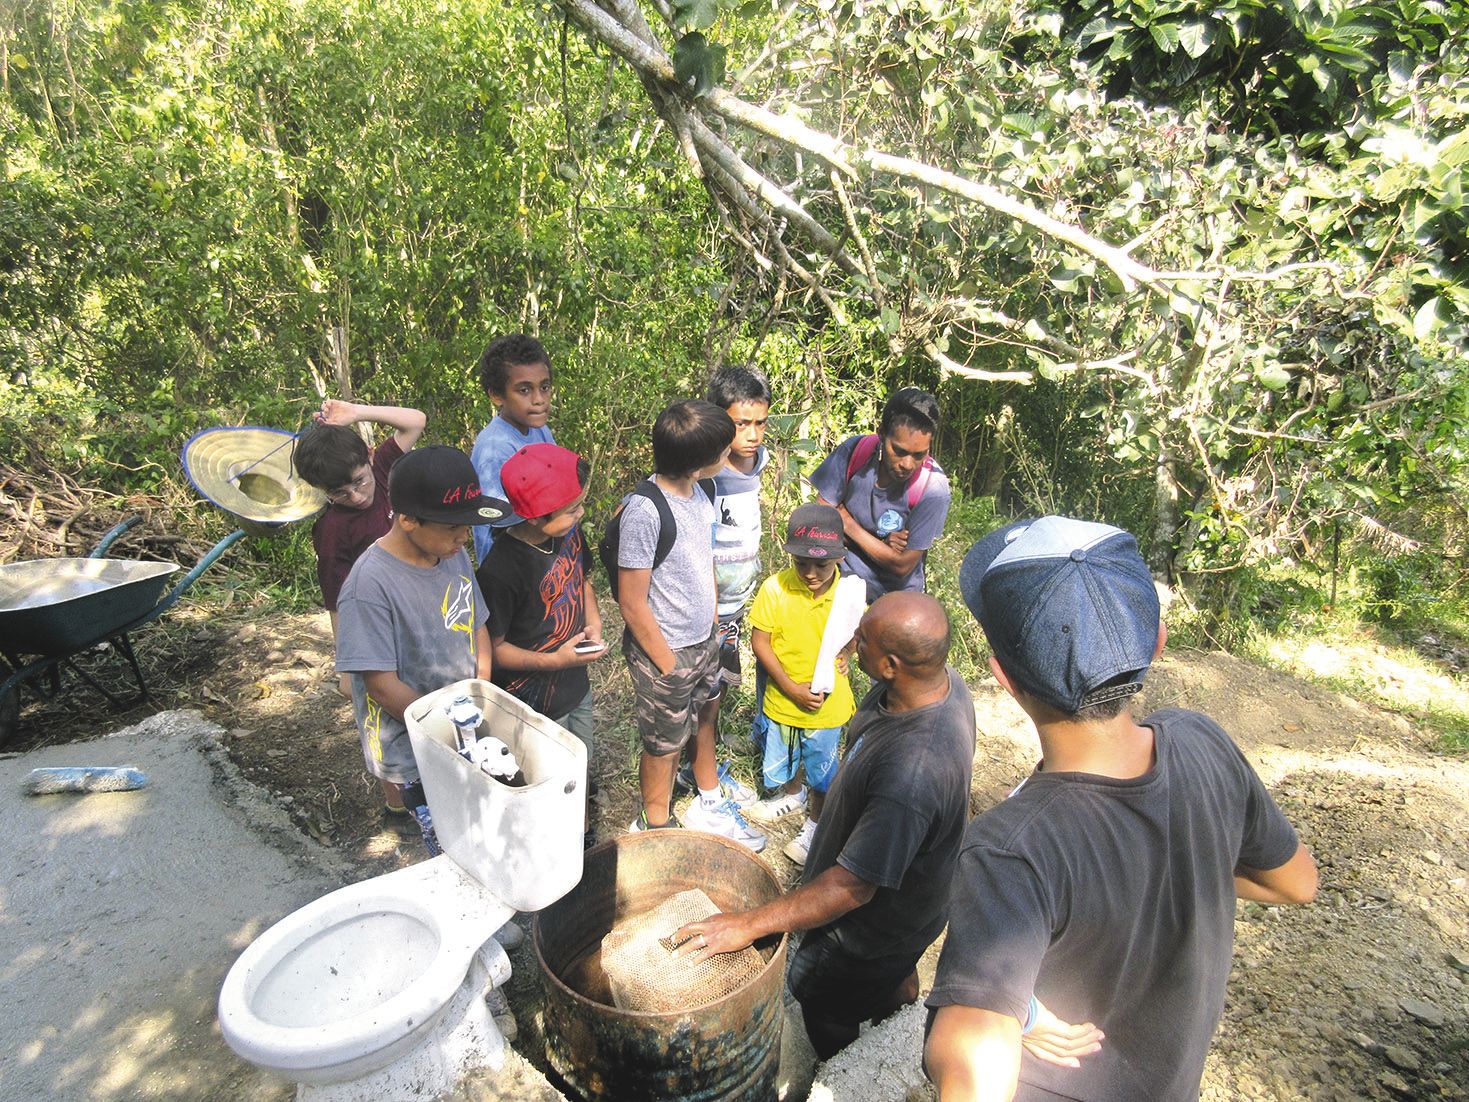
(1032, 1012)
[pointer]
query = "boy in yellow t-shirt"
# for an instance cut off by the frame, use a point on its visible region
(802, 728)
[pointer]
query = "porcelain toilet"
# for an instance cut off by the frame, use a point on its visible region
(376, 990)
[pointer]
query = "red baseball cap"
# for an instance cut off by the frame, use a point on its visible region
(539, 479)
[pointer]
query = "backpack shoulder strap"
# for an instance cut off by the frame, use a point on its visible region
(919, 482)
(667, 527)
(861, 453)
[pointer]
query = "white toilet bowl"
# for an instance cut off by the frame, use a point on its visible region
(374, 985)
(375, 992)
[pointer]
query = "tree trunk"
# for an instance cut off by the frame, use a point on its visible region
(1164, 540)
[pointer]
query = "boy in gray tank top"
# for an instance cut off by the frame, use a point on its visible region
(671, 646)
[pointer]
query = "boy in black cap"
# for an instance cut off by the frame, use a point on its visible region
(800, 728)
(411, 618)
(1104, 887)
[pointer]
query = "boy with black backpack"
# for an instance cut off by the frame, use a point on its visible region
(891, 493)
(666, 591)
(744, 393)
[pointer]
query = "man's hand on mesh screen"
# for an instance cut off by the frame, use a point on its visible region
(716, 934)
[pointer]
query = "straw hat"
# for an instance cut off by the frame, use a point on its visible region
(247, 472)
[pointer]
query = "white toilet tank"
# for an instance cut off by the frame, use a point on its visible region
(523, 844)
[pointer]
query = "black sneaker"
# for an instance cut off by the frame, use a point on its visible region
(401, 820)
(640, 824)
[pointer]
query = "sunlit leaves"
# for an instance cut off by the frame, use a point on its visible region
(1195, 36)
(695, 15)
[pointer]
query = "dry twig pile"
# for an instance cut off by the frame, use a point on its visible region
(46, 513)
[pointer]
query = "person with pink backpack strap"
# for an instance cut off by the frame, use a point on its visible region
(892, 494)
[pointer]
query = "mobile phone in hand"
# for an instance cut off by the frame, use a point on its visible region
(588, 646)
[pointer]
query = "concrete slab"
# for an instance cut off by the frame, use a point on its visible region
(883, 1065)
(120, 913)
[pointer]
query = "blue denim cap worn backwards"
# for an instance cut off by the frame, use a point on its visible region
(1068, 607)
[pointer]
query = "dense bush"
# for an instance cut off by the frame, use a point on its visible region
(211, 210)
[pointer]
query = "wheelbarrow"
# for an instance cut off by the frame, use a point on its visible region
(57, 609)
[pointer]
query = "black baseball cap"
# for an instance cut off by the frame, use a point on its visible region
(439, 483)
(815, 532)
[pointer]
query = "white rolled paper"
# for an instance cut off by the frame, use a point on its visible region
(847, 606)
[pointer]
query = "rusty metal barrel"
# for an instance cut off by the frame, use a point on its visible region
(728, 1050)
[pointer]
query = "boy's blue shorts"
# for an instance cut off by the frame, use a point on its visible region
(788, 748)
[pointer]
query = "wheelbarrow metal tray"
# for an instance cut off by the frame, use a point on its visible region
(58, 606)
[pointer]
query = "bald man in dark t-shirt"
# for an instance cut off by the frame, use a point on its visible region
(876, 883)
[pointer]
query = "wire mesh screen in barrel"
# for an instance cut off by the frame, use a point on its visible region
(645, 975)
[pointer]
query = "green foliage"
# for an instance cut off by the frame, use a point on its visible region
(969, 519)
(286, 564)
(1416, 594)
(695, 15)
(1294, 67)
(209, 205)
(698, 62)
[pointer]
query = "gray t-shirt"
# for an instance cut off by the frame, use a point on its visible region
(681, 590)
(1113, 902)
(895, 816)
(867, 501)
(417, 621)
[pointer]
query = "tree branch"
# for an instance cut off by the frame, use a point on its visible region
(741, 198)
(851, 215)
(791, 131)
(953, 367)
(771, 193)
(1128, 270)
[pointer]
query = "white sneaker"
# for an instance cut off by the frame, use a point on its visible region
(778, 806)
(799, 847)
(736, 789)
(723, 818)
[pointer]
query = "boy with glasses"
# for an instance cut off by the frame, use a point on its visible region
(332, 456)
